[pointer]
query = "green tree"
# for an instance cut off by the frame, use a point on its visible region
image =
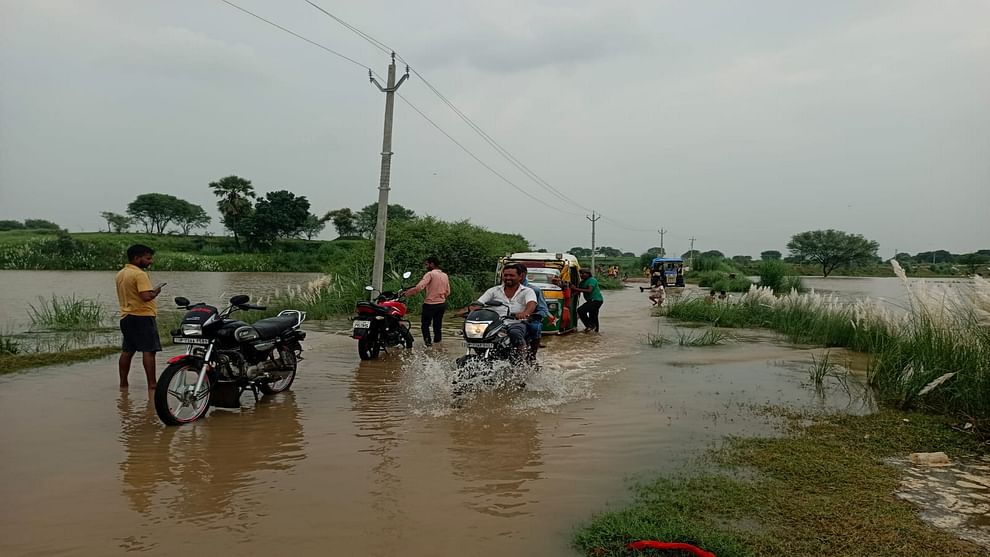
(933, 257)
(156, 210)
(608, 251)
(40, 224)
(313, 226)
(771, 255)
(281, 214)
(189, 215)
(344, 220)
(116, 222)
(742, 260)
(11, 225)
(367, 218)
(463, 248)
(973, 261)
(695, 254)
(713, 253)
(235, 206)
(831, 248)
(580, 252)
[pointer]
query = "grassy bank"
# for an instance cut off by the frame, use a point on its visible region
(16, 362)
(823, 490)
(935, 355)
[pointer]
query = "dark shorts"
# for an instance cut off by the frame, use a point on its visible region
(140, 334)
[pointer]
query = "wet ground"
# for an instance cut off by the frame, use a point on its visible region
(371, 458)
(954, 497)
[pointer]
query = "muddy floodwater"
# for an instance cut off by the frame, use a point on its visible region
(370, 458)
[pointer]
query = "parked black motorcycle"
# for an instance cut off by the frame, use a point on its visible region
(488, 344)
(225, 357)
(381, 324)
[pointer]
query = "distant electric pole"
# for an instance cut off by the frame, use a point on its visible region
(593, 220)
(378, 272)
(691, 253)
(663, 252)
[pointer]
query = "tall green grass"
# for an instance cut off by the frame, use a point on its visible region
(940, 333)
(67, 313)
(779, 277)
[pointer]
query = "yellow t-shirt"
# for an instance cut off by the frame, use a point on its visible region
(130, 281)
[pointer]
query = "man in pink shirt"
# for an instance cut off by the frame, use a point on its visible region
(437, 288)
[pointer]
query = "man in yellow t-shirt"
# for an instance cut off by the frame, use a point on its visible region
(137, 313)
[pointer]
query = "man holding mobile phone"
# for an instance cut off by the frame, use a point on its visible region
(138, 311)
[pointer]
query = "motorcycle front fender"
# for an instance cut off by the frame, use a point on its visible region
(194, 362)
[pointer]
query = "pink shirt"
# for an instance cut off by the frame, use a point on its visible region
(435, 284)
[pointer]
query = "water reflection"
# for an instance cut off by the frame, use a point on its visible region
(373, 393)
(497, 454)
(212, 472)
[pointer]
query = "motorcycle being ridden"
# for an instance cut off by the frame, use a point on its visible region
(495, 329)
(225, 357)
(381, 324)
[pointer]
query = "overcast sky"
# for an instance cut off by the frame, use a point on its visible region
(738, 123)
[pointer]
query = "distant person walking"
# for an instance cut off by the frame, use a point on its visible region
(593, 300)
(437, 287)
(137, 313)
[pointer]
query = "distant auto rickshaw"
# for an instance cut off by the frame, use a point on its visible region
(551, 273)
(668, 271)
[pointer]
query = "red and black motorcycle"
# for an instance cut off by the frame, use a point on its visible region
(381, 323)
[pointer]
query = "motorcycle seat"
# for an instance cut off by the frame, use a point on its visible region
(271, 327)
(372, 308)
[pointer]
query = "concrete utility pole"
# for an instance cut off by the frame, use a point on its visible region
(378, 272)
(691, 264)
(663, 252)
(593, 220)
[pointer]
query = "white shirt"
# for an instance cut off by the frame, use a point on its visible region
(516, 304)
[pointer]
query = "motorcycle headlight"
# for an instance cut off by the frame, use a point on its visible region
(475, 329)
(192, 330)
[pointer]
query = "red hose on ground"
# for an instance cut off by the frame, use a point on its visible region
(651, 544)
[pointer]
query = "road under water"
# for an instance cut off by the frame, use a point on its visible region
(371, 458)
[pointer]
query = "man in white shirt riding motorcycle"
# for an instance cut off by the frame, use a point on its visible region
(516, 299)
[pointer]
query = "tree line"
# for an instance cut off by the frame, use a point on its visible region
(828, 249)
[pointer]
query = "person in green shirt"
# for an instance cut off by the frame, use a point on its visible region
(593, 300)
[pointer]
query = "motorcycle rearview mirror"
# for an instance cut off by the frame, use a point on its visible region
(181, 301)
(406, 274)
(240, 300)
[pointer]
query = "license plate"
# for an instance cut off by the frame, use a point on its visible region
(187, 340)
(362, 324)
(481, 345)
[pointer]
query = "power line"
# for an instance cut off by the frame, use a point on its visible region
(417, 110)
(294, 34)
(512, 159)
(502, 151)
(481, 162)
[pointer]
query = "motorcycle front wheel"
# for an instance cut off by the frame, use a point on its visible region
(368, 347)
(175, 401)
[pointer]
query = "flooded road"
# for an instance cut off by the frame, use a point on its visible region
(370, 458)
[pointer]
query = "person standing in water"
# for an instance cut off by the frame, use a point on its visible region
(138, 311)
(593, 300)
(437, 287)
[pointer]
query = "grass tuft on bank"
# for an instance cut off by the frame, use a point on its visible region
(824, 490)
(941, 341)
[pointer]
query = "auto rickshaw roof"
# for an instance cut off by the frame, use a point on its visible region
(571, 260)
(668, 260)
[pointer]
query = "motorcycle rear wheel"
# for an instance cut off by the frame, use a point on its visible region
(368, 347)
(175, 403)
(279, 386)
